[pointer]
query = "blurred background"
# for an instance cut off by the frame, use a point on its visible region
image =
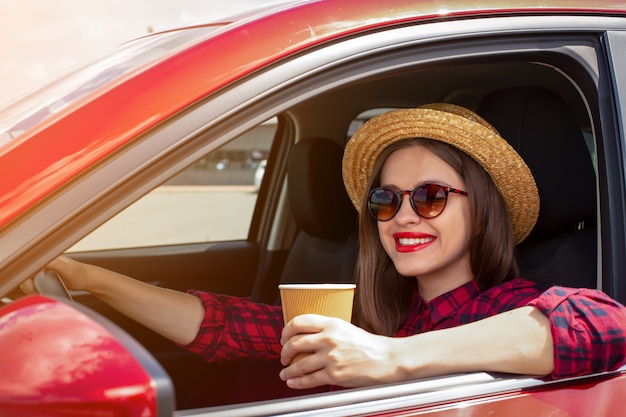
(41, 39)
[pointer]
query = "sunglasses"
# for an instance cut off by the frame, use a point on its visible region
(427, 200)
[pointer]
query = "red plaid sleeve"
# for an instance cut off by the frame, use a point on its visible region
(234, 328)
(588, 328)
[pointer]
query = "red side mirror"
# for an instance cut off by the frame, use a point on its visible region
(58, 359)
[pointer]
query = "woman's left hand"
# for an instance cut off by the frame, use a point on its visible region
(341, 354)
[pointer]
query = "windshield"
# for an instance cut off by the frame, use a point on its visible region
(34, 108)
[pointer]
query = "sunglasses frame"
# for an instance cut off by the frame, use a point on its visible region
(401, 193)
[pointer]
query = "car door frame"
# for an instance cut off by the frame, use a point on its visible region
(261, 103)
(366, 401)
(612, 169)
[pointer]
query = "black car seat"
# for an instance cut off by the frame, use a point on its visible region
(325, 248)
(561, 250)
(324, 251)
(325, 245)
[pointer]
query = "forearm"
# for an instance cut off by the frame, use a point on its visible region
(174, 315)
(518, 341)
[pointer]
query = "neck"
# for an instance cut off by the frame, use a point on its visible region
(431, 287)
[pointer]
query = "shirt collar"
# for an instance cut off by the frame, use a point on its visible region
(449, 303)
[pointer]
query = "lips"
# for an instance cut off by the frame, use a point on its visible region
(411, 242)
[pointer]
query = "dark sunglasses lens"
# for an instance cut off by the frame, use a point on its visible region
(382, 204)
(429, 200)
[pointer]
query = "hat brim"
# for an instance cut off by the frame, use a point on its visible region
(460, 128)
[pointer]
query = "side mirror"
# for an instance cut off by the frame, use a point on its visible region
(65, 360)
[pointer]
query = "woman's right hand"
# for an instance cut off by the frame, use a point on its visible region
(173, 314)
(73, 274)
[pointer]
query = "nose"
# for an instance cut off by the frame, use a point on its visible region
(406, 214)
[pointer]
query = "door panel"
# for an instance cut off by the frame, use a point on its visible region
(225, 268)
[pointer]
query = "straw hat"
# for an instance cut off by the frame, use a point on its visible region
(460, 128)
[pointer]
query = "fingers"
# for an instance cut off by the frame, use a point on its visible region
(28, 287)
(293, 334)
(306, 373)
(306, 343)
(299, 335)
(63, 265)
(306, 323)
(309, 334)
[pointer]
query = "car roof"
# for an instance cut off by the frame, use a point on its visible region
(93, 112)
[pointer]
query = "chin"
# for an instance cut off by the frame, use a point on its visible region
(409, 271)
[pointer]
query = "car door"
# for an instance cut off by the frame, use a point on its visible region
(321, 92)
(572, 64)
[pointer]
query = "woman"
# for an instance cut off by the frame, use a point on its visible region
(443, 200)
(433, 262)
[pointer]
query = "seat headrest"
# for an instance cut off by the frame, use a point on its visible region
(318, 200)
(544, 131)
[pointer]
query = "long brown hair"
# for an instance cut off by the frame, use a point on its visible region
(383, 295)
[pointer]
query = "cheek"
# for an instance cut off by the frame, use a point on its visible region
(384, 235)
(465, 225)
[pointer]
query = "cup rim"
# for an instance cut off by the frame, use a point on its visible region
(316, 286)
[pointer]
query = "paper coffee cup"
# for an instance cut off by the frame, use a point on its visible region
(332, 300)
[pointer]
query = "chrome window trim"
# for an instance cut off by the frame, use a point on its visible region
(392, 398)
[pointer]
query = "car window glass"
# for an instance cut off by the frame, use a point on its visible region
(213, 200)
(363, 117)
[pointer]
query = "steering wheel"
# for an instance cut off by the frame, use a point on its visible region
(48, 282)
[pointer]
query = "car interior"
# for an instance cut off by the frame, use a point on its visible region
(544, 115)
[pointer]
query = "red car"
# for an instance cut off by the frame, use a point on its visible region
(144, 162)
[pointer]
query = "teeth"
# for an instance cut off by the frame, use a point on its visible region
(414, 241)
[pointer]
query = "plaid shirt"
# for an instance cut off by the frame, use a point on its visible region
(588, 327)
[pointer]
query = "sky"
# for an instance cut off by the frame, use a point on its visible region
(42, 39)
